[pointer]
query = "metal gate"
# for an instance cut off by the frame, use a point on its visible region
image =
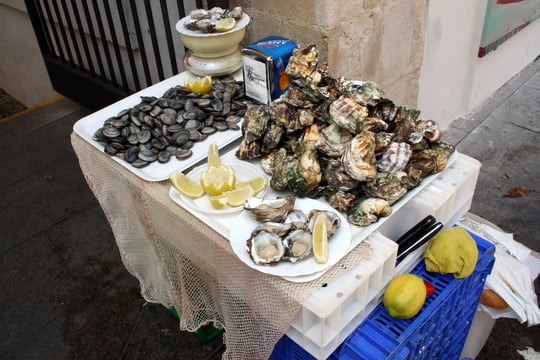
(99, 51)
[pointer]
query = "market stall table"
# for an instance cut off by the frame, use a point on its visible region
(181, 261)
(183, 258)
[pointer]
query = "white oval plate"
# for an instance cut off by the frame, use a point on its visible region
(338, 244)
(244, 171)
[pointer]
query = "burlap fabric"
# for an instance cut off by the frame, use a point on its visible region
(181, 262)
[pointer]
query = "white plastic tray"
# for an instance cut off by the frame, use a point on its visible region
(87, 126)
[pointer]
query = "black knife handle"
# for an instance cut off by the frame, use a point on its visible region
(428, 234)
(416, 230)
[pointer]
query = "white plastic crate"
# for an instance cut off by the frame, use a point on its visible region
(330, 314)
(335, 310)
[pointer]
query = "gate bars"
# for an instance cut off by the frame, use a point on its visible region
(99, 51)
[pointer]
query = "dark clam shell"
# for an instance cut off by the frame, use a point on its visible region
(148, 155)
(159, 128)
(131, 154)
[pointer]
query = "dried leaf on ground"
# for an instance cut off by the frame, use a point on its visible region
(519, 191)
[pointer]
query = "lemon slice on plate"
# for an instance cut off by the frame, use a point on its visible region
(256, 184)
(217, 180)
(200, 85)
(218, 202)
(225, 24)
(238, 197)
(213, 155)
(320, 239)
(185, 185)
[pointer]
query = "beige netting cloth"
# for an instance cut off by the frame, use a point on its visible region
(181, 262)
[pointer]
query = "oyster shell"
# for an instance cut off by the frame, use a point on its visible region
(368, 211)
(431, 160)
(388, 186)
(308, 164)
(298, 245)
(284, 115)
(337, 178)
(265, 248)
(271, 138)
(405, 124)
(296, 97)
(385, 110)
(296, 218)
(284, 169)
(305, 117)
(333, 140)
(430, 130)
(359, 157)
(382, 141)
(255, 122)
(364, 92)
(302, 66)
(395, 157)
(333, 222)
(274, 210)
(278, 228)
(348, 114)
(375, 124)
(267, 162)
(248, 150)
(341, 200)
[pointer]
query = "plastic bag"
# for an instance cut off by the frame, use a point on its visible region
(510, 277)
(512, 281)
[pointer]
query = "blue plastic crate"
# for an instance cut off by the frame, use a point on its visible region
(288, 349)
(439, 331)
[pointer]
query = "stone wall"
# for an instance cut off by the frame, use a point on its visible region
(378, 40)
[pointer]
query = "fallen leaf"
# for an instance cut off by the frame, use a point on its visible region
(519, 191)
(507, 175)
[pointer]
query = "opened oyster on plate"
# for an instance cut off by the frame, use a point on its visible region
(341, 139)
(286, 233)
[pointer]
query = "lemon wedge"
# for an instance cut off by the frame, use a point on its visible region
(241, 184)
(238, 197)
(200, 85)
(217, 180)
(185, 185)
(256, 184)
(213, 155)
(320, 239)
(225, 24)
(218, 202)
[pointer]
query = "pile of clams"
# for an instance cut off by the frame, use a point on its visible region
(160, 128)
(285, 233)
(341, 139)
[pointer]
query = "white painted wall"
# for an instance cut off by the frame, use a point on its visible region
(454, 81)
(23, 74)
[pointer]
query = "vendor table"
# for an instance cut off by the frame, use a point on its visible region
(183, 259)
(180, 261)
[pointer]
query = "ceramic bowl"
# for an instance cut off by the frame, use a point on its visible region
(212, 45)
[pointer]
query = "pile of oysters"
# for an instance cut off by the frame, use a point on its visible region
(341, 139)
